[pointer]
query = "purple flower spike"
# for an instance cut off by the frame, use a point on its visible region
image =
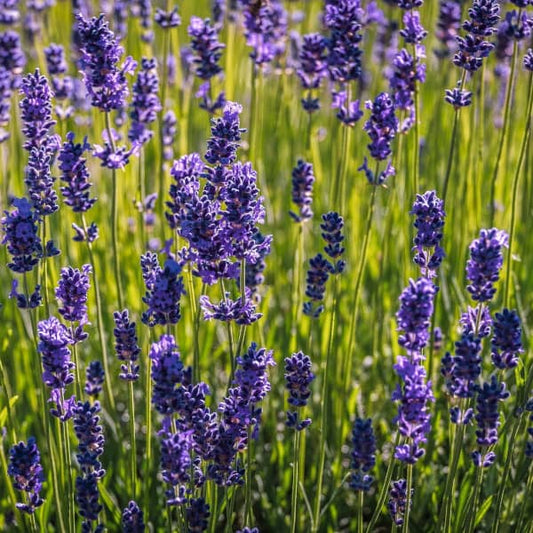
(36, 109)
(317, 276)
(363, 454)
(428, 209)
(145, 103)
(413, 417)
(71, 292)
(487, 418)
(132, 519)
(75, 175)
(206, 47)
(413, 32)
(95, 379)
(167, 374)
(20, 229)
(106, 83)
(164, 288)
(175, 465)
(413, 318)
(198, 514)
(126, 345)
(507, 339)
(27, 473)
(397, 503)
(486, 260)
(303, 179)
(381, 126)
(298, 377)
(243, 313)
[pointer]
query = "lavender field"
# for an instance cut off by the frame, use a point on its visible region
(265, 266)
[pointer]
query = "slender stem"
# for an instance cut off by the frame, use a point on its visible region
(359, 279)
(148, 417)
(526, 500)
(505, 474)
(505, 127)
(324, 419)
(133, 455)
(416, 147)
(76, 366)
(475, 500)
(248, 489)
(516, 179)
(360, 523)
(114, 218)
(63, 428)
(384, 489)
(295, 476)
(453, 144)
(296, 288)
(408, 503)
(99, 319)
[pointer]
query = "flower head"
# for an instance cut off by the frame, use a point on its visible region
(506, 340)
(126, 345)
(363, 454)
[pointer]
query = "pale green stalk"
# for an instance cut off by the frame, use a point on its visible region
(295, 480)
(516, 179)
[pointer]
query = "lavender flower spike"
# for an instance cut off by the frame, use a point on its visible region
(486, 260)
(27, 473)
(298, 377)
(506, 341)
(363, 454)
(132, 519)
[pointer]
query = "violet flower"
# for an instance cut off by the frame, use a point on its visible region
(298, 378)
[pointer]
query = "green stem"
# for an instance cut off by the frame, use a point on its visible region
(408, 503)
(505, 474)
(416, 148)
(324, 419)
(133, 455)
(99, 319)
(114, 218)
(384, 490)
(295, 476)
(452, 145)
(505, 127)
(64, 436)
(248, 489)
(516, 179)
(526, 500)
(76, 366)
(475, 500)
(360, 523)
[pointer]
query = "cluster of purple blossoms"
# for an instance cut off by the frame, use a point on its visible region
(197, 514)
(486, 260)
(145, 102)
(312, 68)
(529, 444)
(132, 519)
(413, 317)
(167, 374)
(75, 175)
(528, 60)
(164, 288)
(477, 321)
(317, 276)
(62, 85)
(168, 133)
(240, 310)
(303, 179)
(219, 220)
(506, 339)
(462, 370)
(332, 225)
(428, 209)
(176, 465)
(106, 83)
(487, 418)
(298, 377)
(12, 58)
(343, 20)
(473, 48)
(207, 51)
(265, 28)
(27, 473)
(413, 417)
(112, 156)
(381, 127)
(90, 447)
(94, 379)
(126, 346)
(21, 235)
(348, 113)
(167, 19)
(448, 27)
(40, 182)
(9, 12)
(398, 500)
(71, 294)
(54, 339)
(458, 97)
(363, 454)
(36, 110)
